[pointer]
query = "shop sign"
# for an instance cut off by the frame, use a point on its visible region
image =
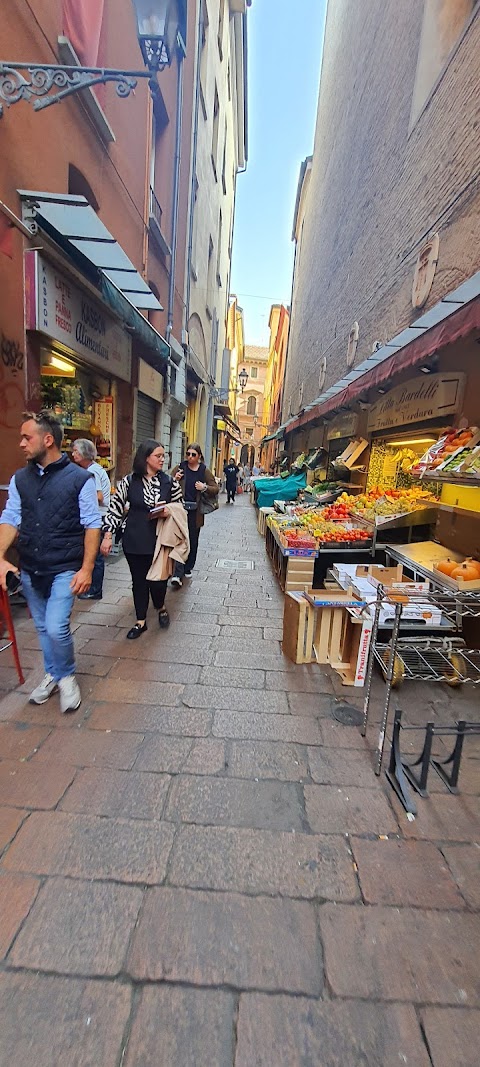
(344, 425)
(103, 419)
(150, 381)
(431, 396)
(65, 313)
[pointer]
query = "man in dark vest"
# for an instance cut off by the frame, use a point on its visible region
(52, 506)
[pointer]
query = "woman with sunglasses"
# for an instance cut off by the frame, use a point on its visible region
(146, 488)
(195, 479)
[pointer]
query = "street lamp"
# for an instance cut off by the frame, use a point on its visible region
(158, 22)
(158, 25)
(243, 379)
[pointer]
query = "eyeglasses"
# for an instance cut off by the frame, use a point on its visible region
(192, 453)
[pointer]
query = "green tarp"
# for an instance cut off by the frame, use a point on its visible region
(270, 489)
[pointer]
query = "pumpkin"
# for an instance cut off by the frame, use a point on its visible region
(446, 566)
(465, 573)
(473, 563)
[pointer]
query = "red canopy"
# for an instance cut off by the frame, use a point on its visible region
(459, 324)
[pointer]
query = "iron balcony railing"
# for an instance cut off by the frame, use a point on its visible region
(155, 209)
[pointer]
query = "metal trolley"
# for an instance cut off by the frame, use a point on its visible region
(436, 658)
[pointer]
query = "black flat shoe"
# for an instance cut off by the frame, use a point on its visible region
(163, 620)
(136, 631)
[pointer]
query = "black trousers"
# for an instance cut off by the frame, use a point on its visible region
(142, 589)
(231, 493)
(194, 534)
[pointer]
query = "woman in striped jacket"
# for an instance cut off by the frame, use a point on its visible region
(138, 494)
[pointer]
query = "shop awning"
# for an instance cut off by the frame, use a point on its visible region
(146, 333)
(231, 427)
(453, 318)
(71, 220)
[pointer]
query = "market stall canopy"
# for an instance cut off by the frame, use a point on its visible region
(453, 318)
(71, 219)
(270, 489)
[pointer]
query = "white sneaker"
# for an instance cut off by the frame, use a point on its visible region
(70, 695)
(176, 582)
(188, 574)
(43, 691)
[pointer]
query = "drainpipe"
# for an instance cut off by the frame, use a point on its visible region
(176, 187)
(201, 25)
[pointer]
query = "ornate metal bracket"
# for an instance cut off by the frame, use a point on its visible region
(60, 82)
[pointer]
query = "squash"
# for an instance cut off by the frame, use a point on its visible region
(473, 563)
(446, 566)
(465, 573)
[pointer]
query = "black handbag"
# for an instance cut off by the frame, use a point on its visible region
(208, 504)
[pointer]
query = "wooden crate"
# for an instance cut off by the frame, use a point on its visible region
(298, 626)
(262, 519)
(327, 635)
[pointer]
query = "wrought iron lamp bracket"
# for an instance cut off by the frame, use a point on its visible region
(61, 81)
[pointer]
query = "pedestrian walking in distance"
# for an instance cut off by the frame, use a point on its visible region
(52, 506)
(84, 453)
(231, 478)
(195, 479)
(142, 492)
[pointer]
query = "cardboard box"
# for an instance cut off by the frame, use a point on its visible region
(351, 453)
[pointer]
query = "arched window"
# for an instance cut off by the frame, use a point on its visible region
(79, 186)
(252, 405)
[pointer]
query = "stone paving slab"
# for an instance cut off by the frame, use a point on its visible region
(250, 726)
(233, 676)
(81, 846)
(405, 873)
(117, 794)
(17, 894)
(151, 671)
(347, 809)
(78, 928)
(204, 939)
(234, 802)
(262, 862)
(10, 821)
(443, 817)
(219, 697)
(136, 692)
(183, 1027)
(452, 1035)
(348, 766)
(33, 785)
(17, 741)
(89, 748)
(149, 718)
(267, 759)
(464, 863)
(428, 957)
(282, 1031)
(55, 1022)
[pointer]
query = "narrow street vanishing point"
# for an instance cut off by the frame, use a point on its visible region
(199, 867)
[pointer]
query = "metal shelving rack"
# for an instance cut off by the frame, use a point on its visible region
(433, 658)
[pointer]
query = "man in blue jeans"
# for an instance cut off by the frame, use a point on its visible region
(52, 506)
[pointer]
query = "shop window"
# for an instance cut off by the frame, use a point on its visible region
(444, 22)
(78, 186)
(221, 23)
(252, 405)
(253, 372)
(219, 250)
(216, 123)
(210, 301)
(204, 60)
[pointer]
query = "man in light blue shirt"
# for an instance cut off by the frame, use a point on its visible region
(84, 453)
(53, 516)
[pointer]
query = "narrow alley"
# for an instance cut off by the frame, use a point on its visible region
(199, 866)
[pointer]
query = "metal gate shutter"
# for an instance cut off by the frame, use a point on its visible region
(146, 413)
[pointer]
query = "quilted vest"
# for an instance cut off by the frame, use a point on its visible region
(51, 536)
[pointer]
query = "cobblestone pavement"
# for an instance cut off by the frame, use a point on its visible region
(199, 867)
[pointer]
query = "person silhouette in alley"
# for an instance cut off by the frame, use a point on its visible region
(52, 506)
(85, 454)
(231, 478)
(196, 480)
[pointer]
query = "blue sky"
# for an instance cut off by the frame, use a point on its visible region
(285, 46)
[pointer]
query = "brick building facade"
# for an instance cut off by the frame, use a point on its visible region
(396, 160)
